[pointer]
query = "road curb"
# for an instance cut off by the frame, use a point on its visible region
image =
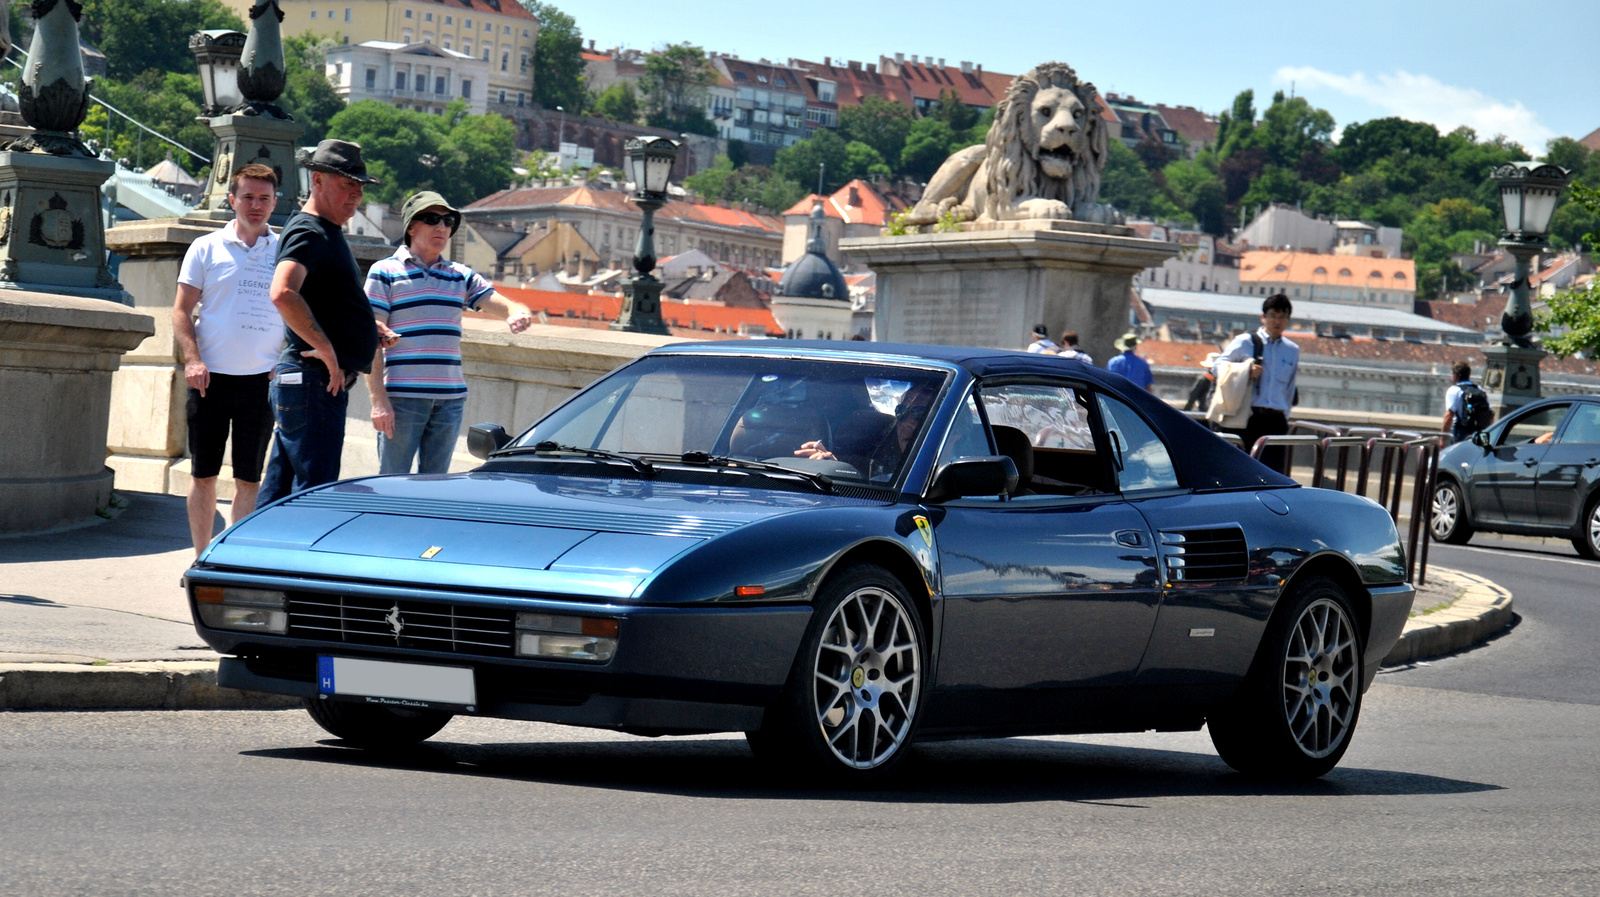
(147, 685)
(1482, 610)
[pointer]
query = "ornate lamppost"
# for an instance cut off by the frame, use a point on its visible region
(650, 162)
(1529, 192)
(243, 76)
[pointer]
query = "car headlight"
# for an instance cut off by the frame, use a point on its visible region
(249, 610)
(555, 637)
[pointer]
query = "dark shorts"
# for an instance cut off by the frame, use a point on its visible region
(236, 403)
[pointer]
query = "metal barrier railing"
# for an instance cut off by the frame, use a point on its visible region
(1388, 454)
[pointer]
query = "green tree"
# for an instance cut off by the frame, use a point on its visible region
(1235, 126)
(1129, 186)
(557, 59)
(878, 123)
(824, 149)
(1195, 188)
(476, 154)
(167, 102)
(141, 35)
(929, 142)
(674, 87)
(862, 161)
(1573, 315)
(308, 95)
(754, 184)
(464, 157)
(952, 111)
(619, 102)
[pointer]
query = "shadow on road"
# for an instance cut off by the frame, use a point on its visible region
(971, 772)
(30, 600)
(151, 524)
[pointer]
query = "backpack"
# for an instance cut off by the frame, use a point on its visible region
(1475, 411)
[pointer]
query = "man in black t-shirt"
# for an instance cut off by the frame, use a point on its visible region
(331, 335)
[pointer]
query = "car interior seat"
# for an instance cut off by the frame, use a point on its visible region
(1014, 444)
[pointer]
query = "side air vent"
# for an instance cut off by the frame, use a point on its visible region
(1205, 555)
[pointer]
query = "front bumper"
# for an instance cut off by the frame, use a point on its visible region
(676, 669)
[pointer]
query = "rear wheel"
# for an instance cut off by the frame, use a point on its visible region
(1294, 714)
(1450, 522)
(375, 727)
(1587, 538)
(850, 707)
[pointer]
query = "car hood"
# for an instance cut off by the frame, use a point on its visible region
(584, 536)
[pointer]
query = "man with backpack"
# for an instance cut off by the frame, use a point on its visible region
(1466, 405)
(1275, 364)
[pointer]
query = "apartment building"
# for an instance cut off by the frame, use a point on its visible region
(416, 76)
(499, 33)
(1355, 280)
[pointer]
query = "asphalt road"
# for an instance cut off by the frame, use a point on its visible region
(1472, 774)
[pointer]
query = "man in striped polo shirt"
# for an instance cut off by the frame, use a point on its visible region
(418, 392)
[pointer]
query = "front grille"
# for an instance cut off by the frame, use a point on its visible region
(1205, 555)
(386, 622)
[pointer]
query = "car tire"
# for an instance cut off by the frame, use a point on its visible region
(1295, 712)
(375, 727)
(1449, 521)
(850, 708)
(1587, 537)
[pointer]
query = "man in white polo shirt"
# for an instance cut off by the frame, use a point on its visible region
(230, 334)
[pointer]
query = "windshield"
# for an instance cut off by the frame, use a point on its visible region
(853, 422)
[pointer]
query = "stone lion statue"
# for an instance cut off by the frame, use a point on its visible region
(1043, 157)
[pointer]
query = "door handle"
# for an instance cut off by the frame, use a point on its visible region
(1531, 462)
(1591, 462)
(1130, 538)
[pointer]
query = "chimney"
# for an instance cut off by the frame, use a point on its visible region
(979, 68)
(854, 64)
(899, 59)
(941, 62)
(827, 61)
(966, 68)
(913, 59)
(591, 44)
(872, 67)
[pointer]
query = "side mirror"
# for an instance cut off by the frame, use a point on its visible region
(1481, 438)
(483, 439)
(981, 475)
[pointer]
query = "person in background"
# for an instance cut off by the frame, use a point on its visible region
(1069, 348)
(229, 334)
(1276, 363)
(329, 327)
(418, 391)
(1463, 402)
(1129, 364)
(1041, 341)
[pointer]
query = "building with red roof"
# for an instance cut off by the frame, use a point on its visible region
(858, 209)
(687, 319)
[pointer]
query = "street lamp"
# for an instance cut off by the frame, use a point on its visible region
(1528, 194)
(650, 164)
(217, 54)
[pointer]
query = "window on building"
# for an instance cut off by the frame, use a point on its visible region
(779, 81)
(1320, 270)
(505, 62)
(449, 20)
(466, 47)
(408, 13)
(521, 99)
(439, 84)
(313, 14)
(524, 64)
(825, 91)
(427, 17)
(506, 30)
(347, 13)
(760, 116)
(399, 80)
(466, 88)
(1344, 272)
(502, 96)
(372, 78)
(422, 83)
(1399, 275)
(330, 15)
(466, 23)
(526, 33)
(427, 37)
(485, 54)
(739, 76)
(791, 121)
(446, 41)
(489, 27)
(405, 36)
(762, 78)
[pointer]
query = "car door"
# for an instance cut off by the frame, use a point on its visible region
(1569, 467)
(1504, 483)
(1048, 591)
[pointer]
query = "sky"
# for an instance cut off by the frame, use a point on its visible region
(1531, 73)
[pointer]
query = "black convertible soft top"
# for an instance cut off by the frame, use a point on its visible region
(1205, 462)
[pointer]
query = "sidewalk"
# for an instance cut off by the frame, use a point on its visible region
(94, 618)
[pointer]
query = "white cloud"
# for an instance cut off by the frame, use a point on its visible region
(1422, 98)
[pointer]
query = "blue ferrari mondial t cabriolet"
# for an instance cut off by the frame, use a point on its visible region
(835, 548)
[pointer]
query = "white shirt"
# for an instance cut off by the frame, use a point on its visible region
(1041, 344)
(239, 331)
(1280, 363)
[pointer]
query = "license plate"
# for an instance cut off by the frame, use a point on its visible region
(414, 686)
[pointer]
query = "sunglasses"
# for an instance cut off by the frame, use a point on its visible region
(916, 413)
(433, 218)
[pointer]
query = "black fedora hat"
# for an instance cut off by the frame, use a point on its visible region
(339, 157)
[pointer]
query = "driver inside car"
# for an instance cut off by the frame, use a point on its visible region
(885, 458)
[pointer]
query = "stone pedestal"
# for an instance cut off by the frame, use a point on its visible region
(51, 236)
(241, 140)
(989, 285)
(57, 355)
(1512, 376)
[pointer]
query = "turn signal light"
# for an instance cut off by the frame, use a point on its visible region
(249, 610)
(556, 637)
(749, 591)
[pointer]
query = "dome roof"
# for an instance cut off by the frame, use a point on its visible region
(813, 275)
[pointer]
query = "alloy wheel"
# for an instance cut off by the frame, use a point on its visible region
(1445, 511)
(1320, 690)
(1593, 529)
(867, 676)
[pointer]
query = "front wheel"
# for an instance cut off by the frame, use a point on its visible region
(375, 727)
(1298, 706)
(1450, 522)
(1587, 539)
(850, 707)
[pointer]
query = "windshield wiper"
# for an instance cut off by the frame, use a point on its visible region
(641, 466)
(703, 459)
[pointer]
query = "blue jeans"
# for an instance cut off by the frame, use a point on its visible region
(309, 437)
(426, 425)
